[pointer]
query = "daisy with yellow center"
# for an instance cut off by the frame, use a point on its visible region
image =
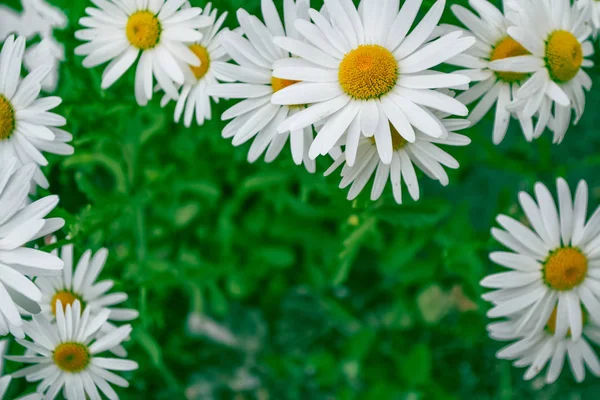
(536, 349)
(555, 262)
(28, 126)
(65, 356)
(423, 152)
(81, 284)
(255, 117)
(556, 33)
(159, 33)
(193, 94)
(363, 68)
(490, 28)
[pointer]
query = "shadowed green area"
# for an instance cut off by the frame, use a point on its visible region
(313, 296)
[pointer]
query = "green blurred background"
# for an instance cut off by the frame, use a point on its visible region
(263, 282)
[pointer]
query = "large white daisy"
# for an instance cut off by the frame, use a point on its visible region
(536, 349)
(160, 30)
(20, 224)
(423, 152)
(364, 67)
(556, 33)
(81, 284)
(490, 28)
(65, 355)
(193, 98)
(557, 264)
(27, 125)
(256, 117)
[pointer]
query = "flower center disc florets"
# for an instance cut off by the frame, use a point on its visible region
(7, 118)
(564, 56)
(398, 141)
(66, 297)
(508, 47)
(200, 52)
(565, 268)
(71, 357)
(368, 72)
(143, 30)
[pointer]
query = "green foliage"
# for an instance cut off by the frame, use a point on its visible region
(311, 296)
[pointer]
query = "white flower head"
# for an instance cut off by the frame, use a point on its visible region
(27, 125)
(256, 55)
(556, 34)
(158, 32)
(193, 96)
(66, 356)
(554, 262)
(20, 224)
(423, 152)
(362, 68)
(490, 28)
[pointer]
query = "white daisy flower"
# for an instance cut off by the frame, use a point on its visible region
(82, 285)
(194, 98)
(256, 117)
(160, 30)
(556, 34)
(361, 68)
(27, 127)
(67, 354)
(20, 224)
(48, 51)
(535, 350)
(490, 28)
(557, 264)
(5, 382)
(423, 152)
(594, 10)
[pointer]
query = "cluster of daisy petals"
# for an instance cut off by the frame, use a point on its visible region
(353, 82)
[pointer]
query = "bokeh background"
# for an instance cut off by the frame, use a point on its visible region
(263, 282)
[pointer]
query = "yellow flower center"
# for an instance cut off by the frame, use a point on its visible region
(66, 297)
(71, 357)
(280, 84)
(508, 47)
(7, 118)
(551, 325)
(398, 141)
(368, 72)
(565, 268)
(143, 30)
(564, 56)
(201, 52)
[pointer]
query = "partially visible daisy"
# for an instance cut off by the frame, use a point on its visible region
(193, 98)
(594, 9)
(495, 87)
(5, 382)
(538, 349)
(159, 31)
(47, 51)
(364, 67)
(557, 34)
(27, 125)
(20, 224)
(81, 285)
(557, 264)
(423, 152)
(256, 117)
(67, 355)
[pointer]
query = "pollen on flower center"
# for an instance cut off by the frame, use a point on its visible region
(279, 84)
(564, 56)
(7, 118)
(505, 48)
(565, 268)
(71, 357)
(368, 72)
(398, 141)
(66, 297)
(143, 30)
(200, 52)
(551, 324)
